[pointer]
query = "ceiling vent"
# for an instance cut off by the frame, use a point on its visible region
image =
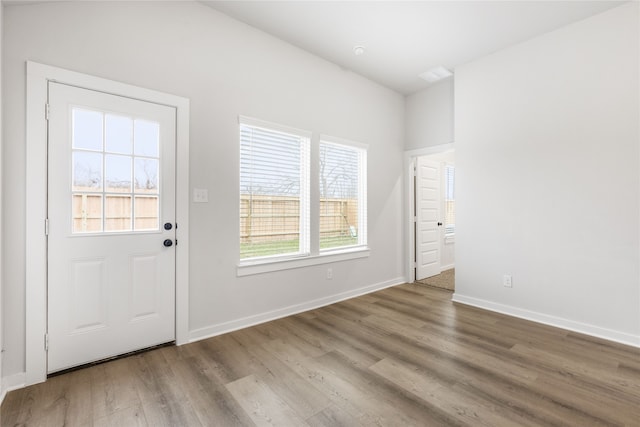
(435, 74)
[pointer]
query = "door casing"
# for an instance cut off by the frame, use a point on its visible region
(409, 185)
(38, 76)
(108, 292)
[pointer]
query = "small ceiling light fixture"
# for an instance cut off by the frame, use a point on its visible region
(358, 50)
(435, 74)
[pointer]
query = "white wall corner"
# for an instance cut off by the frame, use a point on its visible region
(12, 382)
(638, 13)
(1, 220)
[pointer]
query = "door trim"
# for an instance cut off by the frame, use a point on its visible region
(38, 76)
(410, 238)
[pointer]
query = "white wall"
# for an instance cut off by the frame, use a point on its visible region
(548, 177)
(429, 116)
(225, 68)
(448, 257)
(1, 199)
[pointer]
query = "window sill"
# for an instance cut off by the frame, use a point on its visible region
(249, 268)
(450, 239)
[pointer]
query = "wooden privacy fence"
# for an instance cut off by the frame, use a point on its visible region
(87, 213)
(268, 218)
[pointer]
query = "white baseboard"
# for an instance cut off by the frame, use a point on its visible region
(12, 382)
(447, 267)
(559, 322)
(234, 325)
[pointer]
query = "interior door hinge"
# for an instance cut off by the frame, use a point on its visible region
(415, 219)
(46, 342)
(415, 170)
(47, 111)
(46, 226)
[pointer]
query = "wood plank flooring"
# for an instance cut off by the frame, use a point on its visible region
(404, 356)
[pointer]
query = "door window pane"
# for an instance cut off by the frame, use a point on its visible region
(117, 213)
(87, 213)
(87, 129)
(146, 138)
(110, 174)
(146, 213)
(146, 175)
(118, 134)
(118, 173)
(87, 171)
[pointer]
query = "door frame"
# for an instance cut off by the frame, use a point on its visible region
(38, 76)
(409, 185)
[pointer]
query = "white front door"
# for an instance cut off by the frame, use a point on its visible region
(111, 216)
(428, 222)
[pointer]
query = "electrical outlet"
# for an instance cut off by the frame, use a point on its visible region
(200, 195)
(329, 273)
(506, 281)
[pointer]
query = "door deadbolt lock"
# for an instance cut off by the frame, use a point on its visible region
(168, 226)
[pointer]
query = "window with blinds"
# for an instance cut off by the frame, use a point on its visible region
(274, 190)
(275, 193)
(449, 200)
(342, 171)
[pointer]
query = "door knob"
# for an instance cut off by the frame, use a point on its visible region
(439, 224)
(168, 242)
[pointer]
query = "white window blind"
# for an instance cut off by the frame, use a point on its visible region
(343, 203)
(274, 191)
(449, 200)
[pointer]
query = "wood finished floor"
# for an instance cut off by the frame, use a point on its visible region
(402, 356)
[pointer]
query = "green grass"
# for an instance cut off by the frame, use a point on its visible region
(339, 241)
(251, 250)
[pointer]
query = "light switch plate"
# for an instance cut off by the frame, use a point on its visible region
(200, 195)
(507, 281)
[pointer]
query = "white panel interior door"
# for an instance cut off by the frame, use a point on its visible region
(428, 223)
(111, 211)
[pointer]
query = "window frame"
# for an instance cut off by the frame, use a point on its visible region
(313, 256)
(304, 197)
(362, 150)
(448, 235)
